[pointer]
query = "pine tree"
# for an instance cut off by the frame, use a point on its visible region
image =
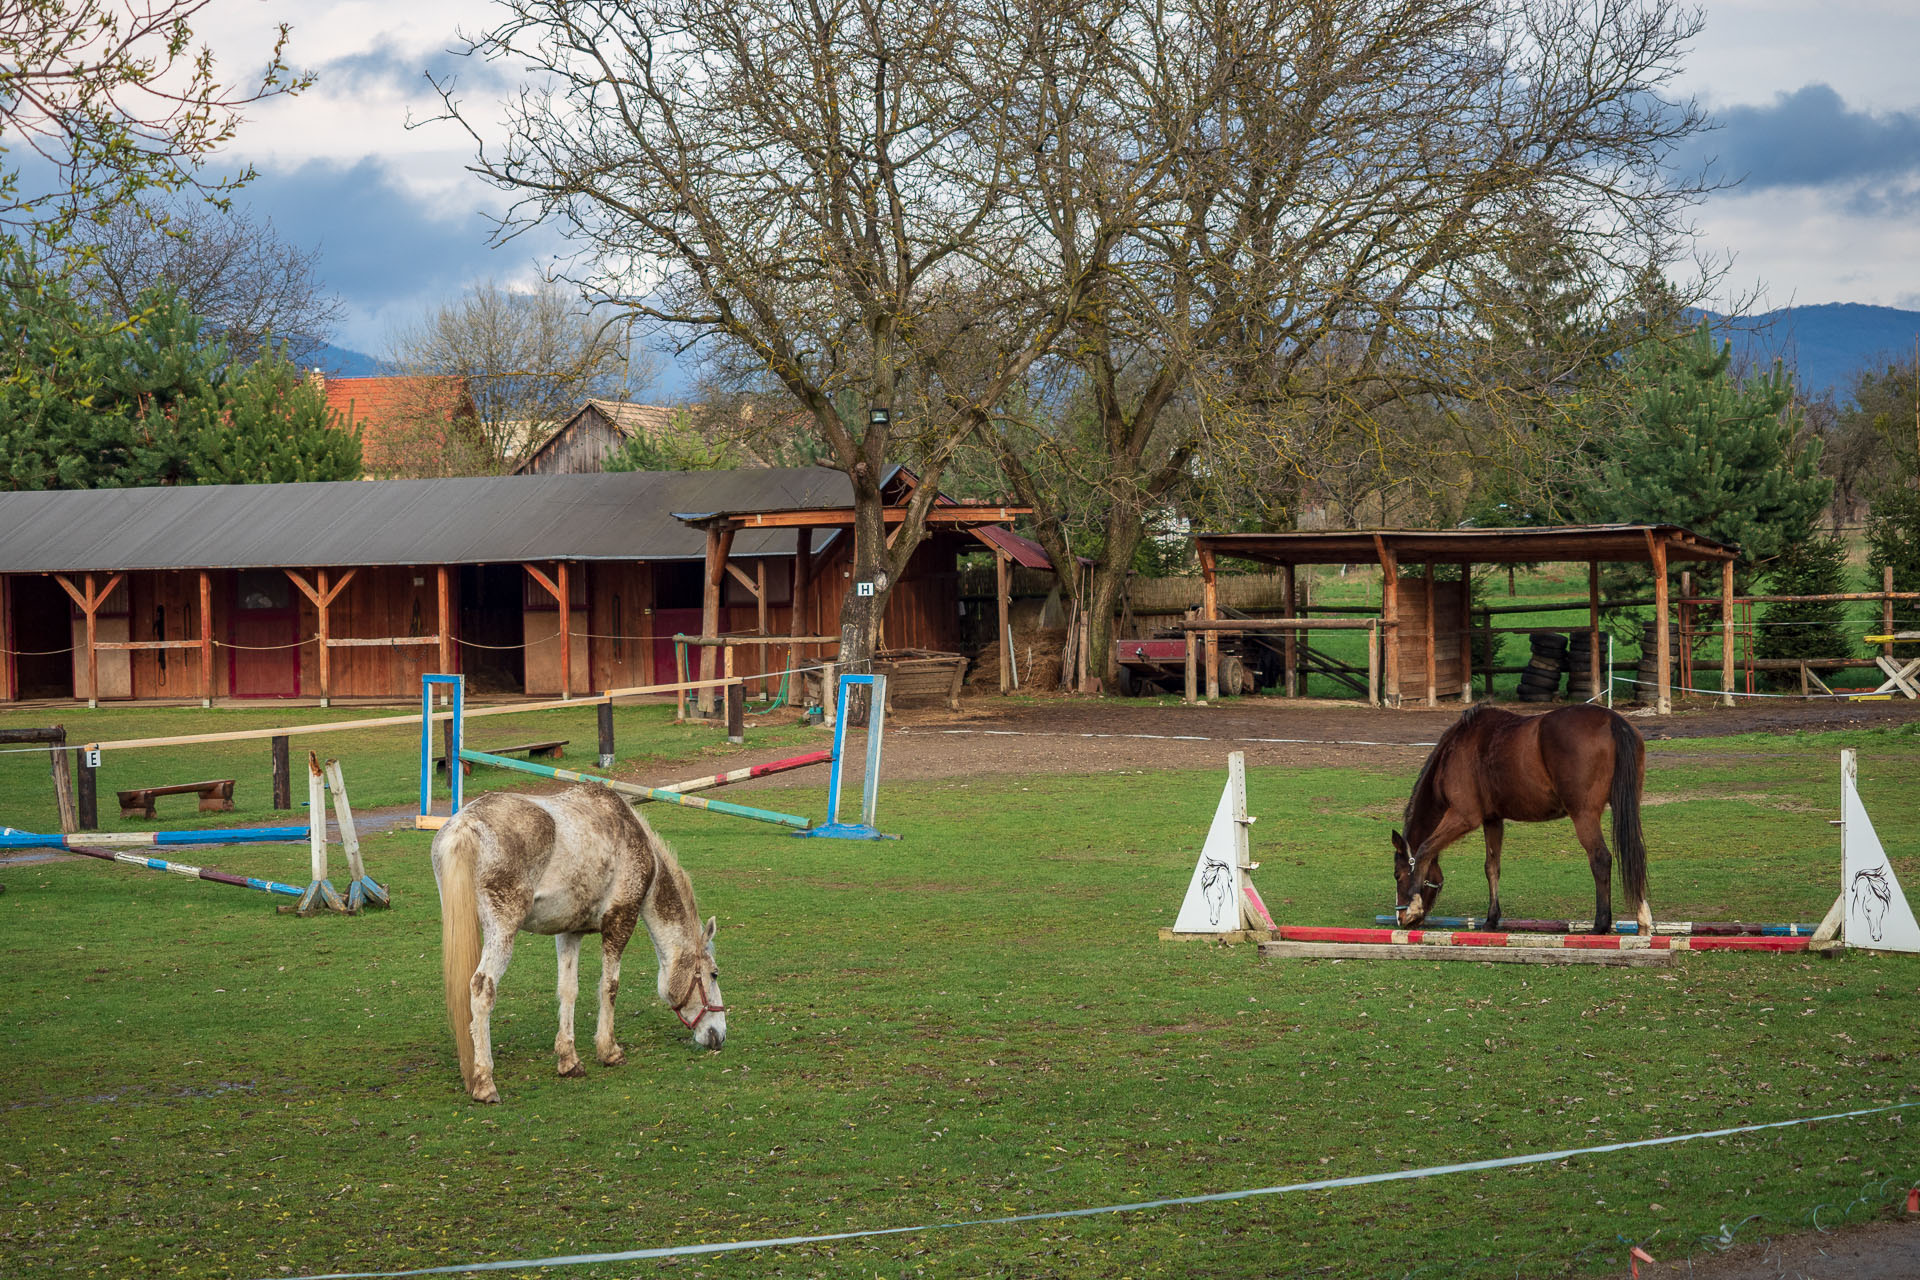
(1806, 629)
(89, 401)
(1715, 454)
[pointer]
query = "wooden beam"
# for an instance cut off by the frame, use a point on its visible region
(443, 593)
(206, 639)
(1210, 612)
(1663, 644)
(1466, 633)
(843, 517)
(1003, 600)
(719, 545)
(1726, 633)
(802, 571)
(1389, 617)
(740, 575)
(566, 635)
(1593, 632)
(1290, 656)
(1639, 959)
(1433, 625)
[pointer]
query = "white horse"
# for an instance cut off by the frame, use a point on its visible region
(577, 862)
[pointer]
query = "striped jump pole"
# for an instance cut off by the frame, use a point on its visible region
(1678, 928)
(711, 781)
(1568, 942)
(218, 835)
(182, 869)
(634, 789)
(363, 891)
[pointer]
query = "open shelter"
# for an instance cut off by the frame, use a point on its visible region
(1427, 655)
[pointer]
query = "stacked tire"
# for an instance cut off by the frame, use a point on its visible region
(1580, 666)
(1540, 682)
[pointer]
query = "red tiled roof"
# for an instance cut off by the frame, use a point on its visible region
(398, 417)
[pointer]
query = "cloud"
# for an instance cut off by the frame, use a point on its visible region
(1811, 138)
(387, 69)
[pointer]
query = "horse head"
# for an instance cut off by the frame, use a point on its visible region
(690, 985)
(1411, 899)
(1873, 896)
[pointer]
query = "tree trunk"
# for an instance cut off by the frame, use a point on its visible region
(1107, 580)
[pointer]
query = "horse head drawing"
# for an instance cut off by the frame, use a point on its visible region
(1872, 896)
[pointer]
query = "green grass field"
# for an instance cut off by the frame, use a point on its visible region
(977, 1020)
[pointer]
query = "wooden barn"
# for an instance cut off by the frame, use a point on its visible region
(531, 584)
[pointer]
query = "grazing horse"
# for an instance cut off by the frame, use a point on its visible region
(1492, 765)
(576, 862)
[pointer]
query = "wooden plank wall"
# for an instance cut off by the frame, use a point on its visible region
(113, 622)
(923, 611)
(1449, 674)
(620, 603)
(166, 606)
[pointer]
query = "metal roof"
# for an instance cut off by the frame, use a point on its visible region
(461, 520)
(1584, 542)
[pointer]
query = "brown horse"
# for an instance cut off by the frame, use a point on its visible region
(1492, 765)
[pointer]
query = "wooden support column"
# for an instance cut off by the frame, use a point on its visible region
(1003, 600)
(566, 634)
(1389, 618)
(1289, 645)
(1663, 643)
(802, 571)
(1210, 610)
(90, 602)
(443, 595)
(1726, 633)
(760, 598)
(719, 543)
(322, 597)
(1430, 642)
(206, 639)
(1466, 633)
(1593, 633)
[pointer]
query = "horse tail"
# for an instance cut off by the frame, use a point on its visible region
(1625, 802)
(453, 858)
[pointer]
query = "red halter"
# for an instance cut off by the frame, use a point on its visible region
(707, 1005)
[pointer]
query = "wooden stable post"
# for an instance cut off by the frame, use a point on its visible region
(322, 598)
(282, 773)
(1003, 600)
(443, 598)
(736, 696)
(802, 570)
(719, 544)
(1726, 633)
(1593, 635)
(1429, 643)
(1210, 611)
(1289, 644)
(86, 793)
(1390, 618)
(90, 602)
(206, 639)
(1663, 643)
(1466, 634)
(605, 726)
(1373, 663)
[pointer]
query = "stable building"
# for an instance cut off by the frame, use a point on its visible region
(531, 584)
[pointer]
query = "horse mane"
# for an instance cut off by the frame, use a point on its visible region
(1426, 787)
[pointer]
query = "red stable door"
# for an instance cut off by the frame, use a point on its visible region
(264, 661)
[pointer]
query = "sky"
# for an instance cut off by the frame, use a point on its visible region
(1817, 107)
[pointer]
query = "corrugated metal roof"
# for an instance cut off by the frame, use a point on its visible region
(1025, 551)
(466, 520)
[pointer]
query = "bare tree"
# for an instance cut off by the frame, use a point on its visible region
(115, 99)
(828, 189)
(528, 360)
(1346, 179)
(243, 280)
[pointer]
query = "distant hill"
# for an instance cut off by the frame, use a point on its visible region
(343, 363)
(1824, 345)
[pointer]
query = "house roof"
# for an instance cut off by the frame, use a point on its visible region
(460, 520)
(379, 400)
(1632, 543)
(626, 418)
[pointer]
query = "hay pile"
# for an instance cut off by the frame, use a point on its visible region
(1036, 660)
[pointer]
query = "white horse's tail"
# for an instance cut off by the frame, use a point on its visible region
(453, 859)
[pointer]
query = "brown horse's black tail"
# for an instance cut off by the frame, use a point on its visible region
(1625, 802)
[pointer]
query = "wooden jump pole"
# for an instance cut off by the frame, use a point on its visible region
(1675, 928)
(1497, 955)
(319, 895)
(182, 869)
(1440, 939)
(212, 835)
(364, 891)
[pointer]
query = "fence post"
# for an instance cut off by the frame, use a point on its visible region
(606, 733)
(282, 774)
(86, 796)
(736, 713)
(62, 780)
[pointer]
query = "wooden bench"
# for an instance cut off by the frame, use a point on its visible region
(921, 673)
(215, 797)
(550, 750)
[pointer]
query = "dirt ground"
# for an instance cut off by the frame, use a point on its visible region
(989, 736)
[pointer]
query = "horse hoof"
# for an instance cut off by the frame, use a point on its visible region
(613, 1059)
(488, 1095)
(574, 1072)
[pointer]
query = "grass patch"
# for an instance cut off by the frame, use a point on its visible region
(977, 1020)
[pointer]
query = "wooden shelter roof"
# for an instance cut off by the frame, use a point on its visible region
(1613, 543)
